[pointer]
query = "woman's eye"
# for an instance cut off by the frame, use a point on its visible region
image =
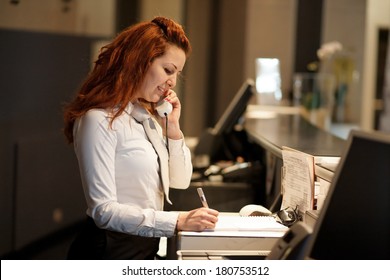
(168, 71)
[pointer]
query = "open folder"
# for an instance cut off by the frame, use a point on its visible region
(233, 234)
(248, 223)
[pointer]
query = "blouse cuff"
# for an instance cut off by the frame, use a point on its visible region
(166, 221)
(176, 146)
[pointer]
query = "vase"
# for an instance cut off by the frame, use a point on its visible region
(313, 93)
(342, 66)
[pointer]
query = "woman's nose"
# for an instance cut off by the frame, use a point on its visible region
(171, 82)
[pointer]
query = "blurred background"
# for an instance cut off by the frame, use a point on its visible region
(47, 48)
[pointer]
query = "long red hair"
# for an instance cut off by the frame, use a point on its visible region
(121, 67)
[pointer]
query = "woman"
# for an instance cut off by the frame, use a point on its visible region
(125, 177)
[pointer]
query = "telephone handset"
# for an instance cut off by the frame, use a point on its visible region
(164, 108)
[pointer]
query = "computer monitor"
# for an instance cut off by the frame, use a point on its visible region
(236, 108)
(212, 141)
(354, 222)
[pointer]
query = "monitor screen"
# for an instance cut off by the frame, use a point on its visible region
(216, 142)
(236, 109)
(354, 222)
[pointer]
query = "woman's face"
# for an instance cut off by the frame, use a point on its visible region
(162, 74)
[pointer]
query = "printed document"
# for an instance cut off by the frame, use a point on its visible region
(297, 180)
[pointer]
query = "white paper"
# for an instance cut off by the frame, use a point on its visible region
(323, 192)
(248, 223)
(298, 180)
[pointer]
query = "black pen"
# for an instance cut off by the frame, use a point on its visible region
(202, 198)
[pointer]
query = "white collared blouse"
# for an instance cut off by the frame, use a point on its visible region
(120, 174)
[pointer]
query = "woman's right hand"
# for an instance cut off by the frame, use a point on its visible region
(197, 219)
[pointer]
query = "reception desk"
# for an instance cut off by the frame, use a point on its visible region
(275, 127)
(270, 129)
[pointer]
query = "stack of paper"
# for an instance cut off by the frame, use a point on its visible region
(249, 223)
(297, 180)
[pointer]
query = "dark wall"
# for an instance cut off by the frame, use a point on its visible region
(40, 189)
(226, 56)
(308, 33)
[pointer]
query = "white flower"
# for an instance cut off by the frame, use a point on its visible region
(328, 49)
